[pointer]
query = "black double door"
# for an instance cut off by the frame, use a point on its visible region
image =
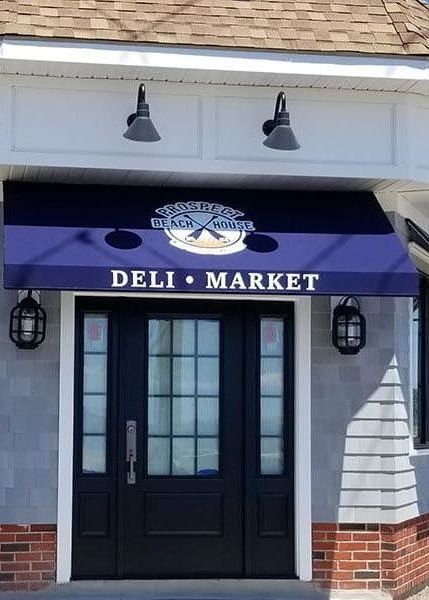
(183, 440)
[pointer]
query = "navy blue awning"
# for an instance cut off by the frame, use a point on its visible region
(201, 240)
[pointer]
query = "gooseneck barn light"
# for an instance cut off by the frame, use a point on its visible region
(280, 135)
(348, 326)
(27, 325)
(140, 126)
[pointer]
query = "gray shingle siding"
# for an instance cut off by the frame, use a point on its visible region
(28, 419)
(361, 466)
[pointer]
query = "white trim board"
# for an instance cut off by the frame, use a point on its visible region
(65, 438)
(146, 57)
(303, 521)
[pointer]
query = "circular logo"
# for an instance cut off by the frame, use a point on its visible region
(203, 227)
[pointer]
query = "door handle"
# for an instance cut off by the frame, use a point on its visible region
(131, 451)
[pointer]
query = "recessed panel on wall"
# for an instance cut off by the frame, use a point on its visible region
(76, 121)
(330, 132)
(420, 135)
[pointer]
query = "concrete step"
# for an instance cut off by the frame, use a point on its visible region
(201, 589)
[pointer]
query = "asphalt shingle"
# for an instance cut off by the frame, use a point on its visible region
(395, 27)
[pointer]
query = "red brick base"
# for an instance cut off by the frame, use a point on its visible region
(346, 556)
(352, 556)
(27, 556)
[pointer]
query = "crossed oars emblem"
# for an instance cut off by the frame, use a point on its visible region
(195, 235)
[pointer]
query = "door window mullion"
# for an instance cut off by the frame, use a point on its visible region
(271, 396)
(192, 355)
(94, 393)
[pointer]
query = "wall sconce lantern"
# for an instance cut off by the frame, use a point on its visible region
(348, 326)
(140, 126)
(27, 325)
(280, 135)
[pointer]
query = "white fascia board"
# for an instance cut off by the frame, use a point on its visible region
(215, 60)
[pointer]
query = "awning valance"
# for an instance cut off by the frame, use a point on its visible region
(73, 237)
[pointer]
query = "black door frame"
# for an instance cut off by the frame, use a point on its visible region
(252, 310)
(255, 483)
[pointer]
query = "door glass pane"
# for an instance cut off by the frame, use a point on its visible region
(183, 336)
(95, 336)
(159, 375)
(208, 416)
(183, 456)
(158, 456)
(272, 337)
(208, 337)
(208, 376)
(186, 412)
(272, 415)
(95, 344)
(94, 373)
(183, 376)
(272, 396)
(271, 376)
(94, 413)
(271, 456)
(159, 337)
(208, 456)
(94, 454)
(183, 416)
(159, 415)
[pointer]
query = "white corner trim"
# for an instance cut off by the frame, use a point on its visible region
(410, 382)
(303, 520)
(420, 257)
(65, 437)
(148, 57)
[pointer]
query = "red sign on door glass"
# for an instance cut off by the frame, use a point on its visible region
(95, 332)
(270, 334)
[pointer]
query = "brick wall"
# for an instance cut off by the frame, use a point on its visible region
(352, 556)
(347, 556)
(27, 556)
(405, 555)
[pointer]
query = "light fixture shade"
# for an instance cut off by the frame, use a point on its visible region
(280, 135)
(142, 130)
(140, 126)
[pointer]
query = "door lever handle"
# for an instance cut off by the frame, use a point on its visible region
(131, 451)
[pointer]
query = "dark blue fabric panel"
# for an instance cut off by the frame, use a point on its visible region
(201, 240)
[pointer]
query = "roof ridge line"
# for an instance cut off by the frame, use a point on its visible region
(421, 34)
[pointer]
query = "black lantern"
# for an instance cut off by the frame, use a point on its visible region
(348, 326)
(27, 326)
(280, 135)
(140, 126)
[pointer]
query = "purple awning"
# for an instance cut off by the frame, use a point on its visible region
(201, 240)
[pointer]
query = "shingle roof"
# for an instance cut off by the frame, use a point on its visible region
(398, 27)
